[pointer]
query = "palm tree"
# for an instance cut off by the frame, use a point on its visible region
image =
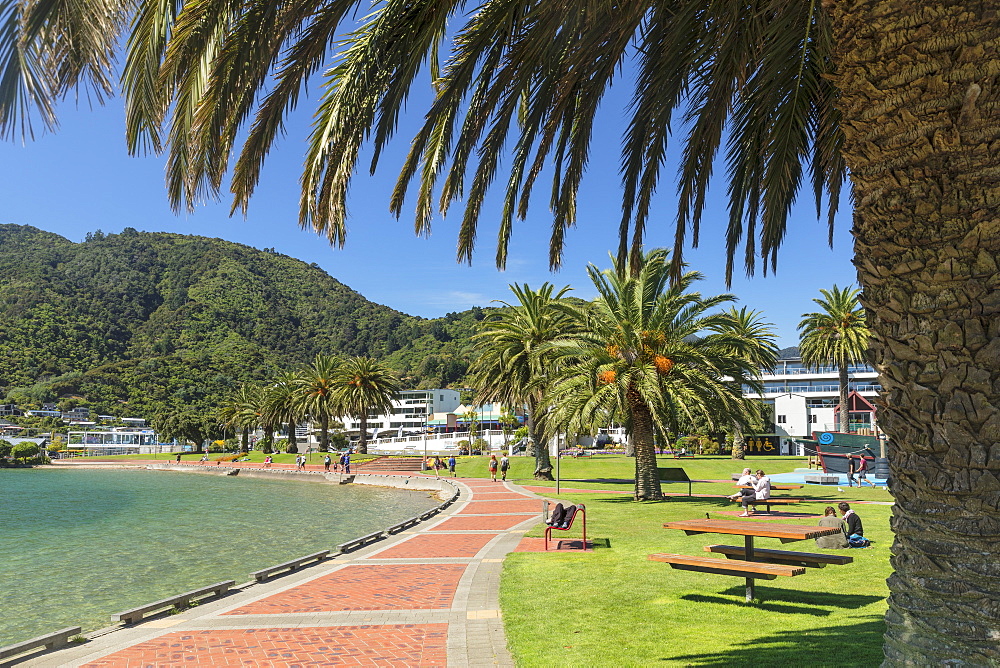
(513, 365)
(651, 354)
(802, 92)
(284, 404)
(836, 336)
(364, 385)
(755, 339)
(240, 412)
(316, 386)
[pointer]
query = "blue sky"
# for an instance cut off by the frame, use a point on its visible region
(80, 179)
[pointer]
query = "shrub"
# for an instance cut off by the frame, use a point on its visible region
(281, 445)
(5, 448)
(24, 450)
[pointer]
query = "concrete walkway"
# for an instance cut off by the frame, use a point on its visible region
(424, 597)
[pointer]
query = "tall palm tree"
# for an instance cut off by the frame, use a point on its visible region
(836, 336)
(284, 405)
(317, 386)
(652, 354)
(364, 385)
(754, 339)
(514, 364)
(240, 412)
(800, 92)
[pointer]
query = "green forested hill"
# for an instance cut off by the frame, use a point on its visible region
(156, 320)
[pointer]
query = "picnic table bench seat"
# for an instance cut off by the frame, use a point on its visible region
(780, 486)
(745, 569)
(773, 501)
(808, 559)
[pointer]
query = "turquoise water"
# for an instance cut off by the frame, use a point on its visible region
(77, 546)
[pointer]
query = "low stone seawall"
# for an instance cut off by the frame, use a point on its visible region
(441, 487)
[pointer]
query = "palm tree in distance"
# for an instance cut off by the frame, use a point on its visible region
(316, 386)
(651, 354)
(900, 94)
(364, 385)
(284, 405)
(836, 336)
(239, 412)
(514, 364)
(754, 339)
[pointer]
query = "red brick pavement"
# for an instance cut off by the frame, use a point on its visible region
(367, 587)
(396, 645)
(498, 496)
(491, 507)
(423, 546)
(494, 522)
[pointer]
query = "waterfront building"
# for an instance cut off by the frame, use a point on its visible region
(118, 441)
(804, 400)
(411, 410)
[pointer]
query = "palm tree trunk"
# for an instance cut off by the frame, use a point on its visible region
(363, 440)
(245, 442)
(739, 441)
(919, 100)
(845, 414)
(543, 464)
(324, 433)
(293, 443)
(647, 480)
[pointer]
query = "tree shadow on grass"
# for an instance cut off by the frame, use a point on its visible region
(824, 598)
(857, 644)
(765, 605)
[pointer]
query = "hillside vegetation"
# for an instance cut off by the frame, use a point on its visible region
(137, 322)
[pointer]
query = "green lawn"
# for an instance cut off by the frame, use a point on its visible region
(614, 607)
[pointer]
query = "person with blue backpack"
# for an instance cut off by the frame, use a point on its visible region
(855, 530)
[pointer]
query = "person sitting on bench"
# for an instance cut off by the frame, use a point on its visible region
(561, 516)
(761, 491)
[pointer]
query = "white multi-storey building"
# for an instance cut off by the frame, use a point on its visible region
(410, 411)
(805, 399)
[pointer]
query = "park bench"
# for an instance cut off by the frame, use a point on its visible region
(48, 641)
(181, 600)
(773, 501)
(674, 475)
(682, 455)
(755, 570)
(289, 566)
(360, 542)
(808, 559)
(580, 509)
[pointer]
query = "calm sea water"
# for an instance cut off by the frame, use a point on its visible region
(77, 546)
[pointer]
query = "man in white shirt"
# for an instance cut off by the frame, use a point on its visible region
(745, 480)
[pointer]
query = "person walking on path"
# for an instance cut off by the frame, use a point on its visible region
(437, 467)
(451, 466)
(504, 465)
(346, 461)
(862, 469)
(178, 458)
(326, 463)
(493, 467)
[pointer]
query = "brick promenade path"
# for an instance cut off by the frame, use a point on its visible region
(424, 597)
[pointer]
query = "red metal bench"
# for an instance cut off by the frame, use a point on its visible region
(580, 509)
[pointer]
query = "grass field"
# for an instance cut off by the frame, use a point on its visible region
(614, 607)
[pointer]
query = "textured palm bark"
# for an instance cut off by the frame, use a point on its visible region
(647, 481)
(292, 438)
(739, 441)
(921, 115)
(324, 433)
(845, 414)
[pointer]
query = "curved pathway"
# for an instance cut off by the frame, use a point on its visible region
(424, 597)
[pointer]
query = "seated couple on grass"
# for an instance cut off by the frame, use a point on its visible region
(756, 488)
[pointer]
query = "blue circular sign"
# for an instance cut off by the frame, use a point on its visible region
(826, 438)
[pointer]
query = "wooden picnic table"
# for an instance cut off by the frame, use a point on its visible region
(786, 533)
